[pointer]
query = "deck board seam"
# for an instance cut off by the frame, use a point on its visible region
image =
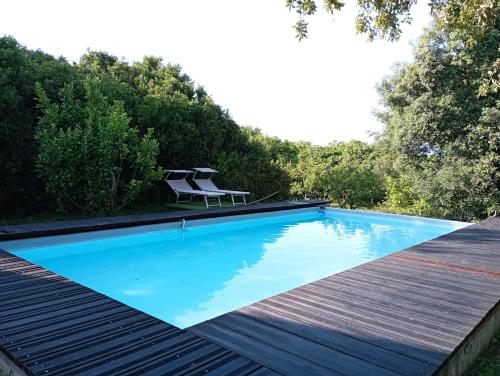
(450, 265)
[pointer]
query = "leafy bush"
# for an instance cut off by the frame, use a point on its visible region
(90, 157)
(404, 197)
(353, 187)
(20, 68)
(462, 190)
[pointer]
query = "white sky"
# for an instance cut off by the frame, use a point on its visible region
(244, 52)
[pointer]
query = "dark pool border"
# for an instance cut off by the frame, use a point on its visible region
(15, 232)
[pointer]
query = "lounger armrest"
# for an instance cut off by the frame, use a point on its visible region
(233, 192)
(200, 193)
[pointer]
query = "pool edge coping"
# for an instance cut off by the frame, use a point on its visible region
(108, 223)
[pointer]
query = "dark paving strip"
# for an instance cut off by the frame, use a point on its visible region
(405, 313)
(106, 223)
(52, 326)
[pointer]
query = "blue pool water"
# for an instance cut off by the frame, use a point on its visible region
(186, 277)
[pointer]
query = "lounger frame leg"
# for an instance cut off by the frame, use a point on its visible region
(219, 203)
(239, 203)
(178, 200)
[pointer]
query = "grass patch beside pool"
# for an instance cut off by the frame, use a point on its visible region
(488, 363)
(4, 372)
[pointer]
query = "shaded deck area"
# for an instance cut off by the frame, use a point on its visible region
(410, 313)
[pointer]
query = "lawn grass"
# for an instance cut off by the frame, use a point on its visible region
(488, 363)
(4, 372)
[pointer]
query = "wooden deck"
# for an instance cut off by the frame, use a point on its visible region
(52, 326)
(404, 314)
(409, 313)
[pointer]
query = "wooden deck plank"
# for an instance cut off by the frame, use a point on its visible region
(226, 363)
(335, 339)
(86, 358)
(299, 346)
(136, 350)
(14, 324)
(409, 308)
(391, 315)
(403, 286)
(315, 308)
(479, 236)
(429, 278)
(329, 324)
(432, 303)
(456, 254)
(189, 361)
(437, 298)
(280, 360)
(420, 285)
(123, 328)
(84, 323)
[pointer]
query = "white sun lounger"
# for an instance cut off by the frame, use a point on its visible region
(208, 185)
(182, 188)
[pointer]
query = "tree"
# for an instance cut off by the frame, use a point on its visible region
(311, 163)
(439, 131)
(20, 69)
(89, 156)
(353, 187)
(462, 189)
(383, 18)
(191, 129)
(403, 196)
(249, 163)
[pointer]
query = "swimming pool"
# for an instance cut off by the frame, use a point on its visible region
(185, 276)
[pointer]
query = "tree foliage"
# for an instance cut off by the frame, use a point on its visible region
(89, 156)
(190, 128)
(353, 186)
(20, 69)
(383, 18)
(106, 125)
(439, 131)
